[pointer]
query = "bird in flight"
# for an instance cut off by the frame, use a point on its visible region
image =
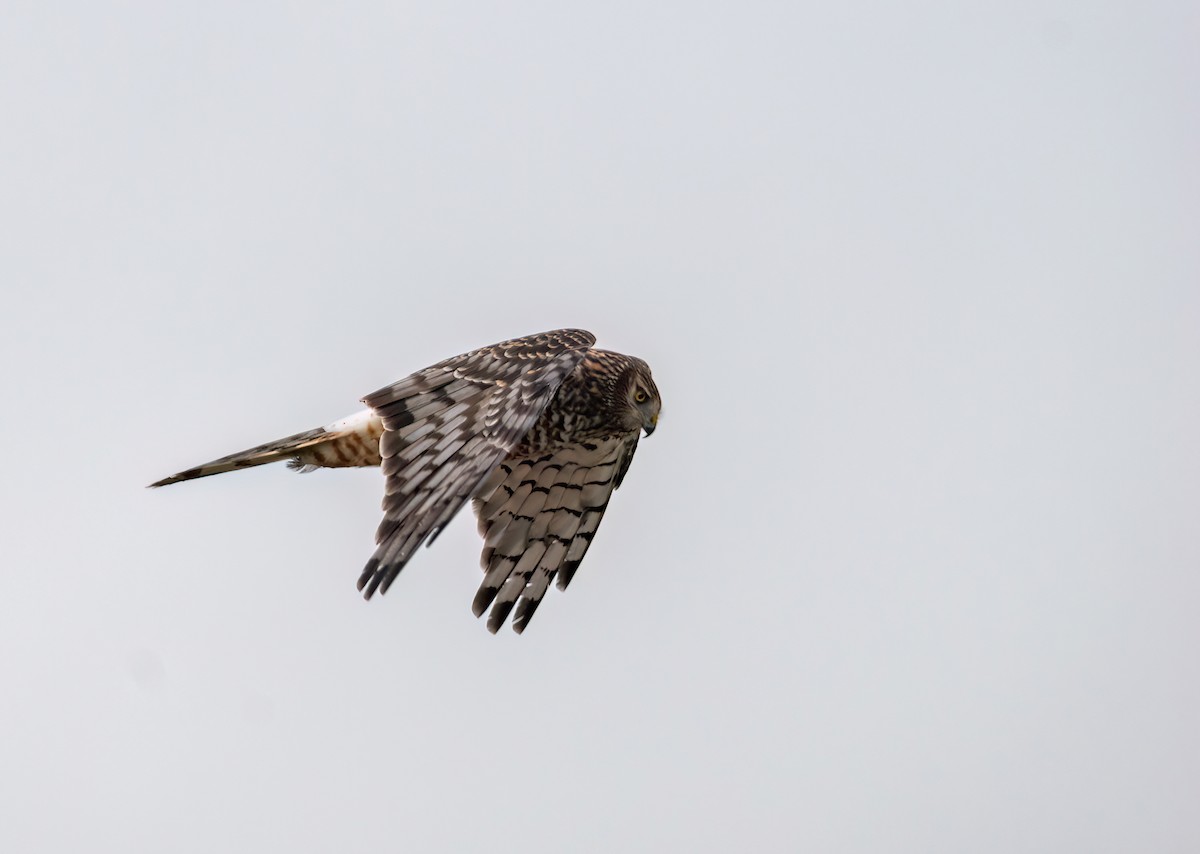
(537, 431)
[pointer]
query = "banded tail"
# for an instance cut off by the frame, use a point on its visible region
(353, 441)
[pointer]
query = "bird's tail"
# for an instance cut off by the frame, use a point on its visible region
(282, 449)
(353, 441)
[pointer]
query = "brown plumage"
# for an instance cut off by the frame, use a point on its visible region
(538, 431)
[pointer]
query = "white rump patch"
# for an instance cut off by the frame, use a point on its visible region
(359, 422)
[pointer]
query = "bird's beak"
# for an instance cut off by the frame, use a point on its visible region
(651, 425)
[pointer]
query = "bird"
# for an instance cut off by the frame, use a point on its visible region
(536, 431)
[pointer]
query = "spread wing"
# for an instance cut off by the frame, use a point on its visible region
(447, 427)
(538, 517)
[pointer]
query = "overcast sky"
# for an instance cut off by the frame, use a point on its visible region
(912, 563)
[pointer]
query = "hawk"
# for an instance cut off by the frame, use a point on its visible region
(538, 431)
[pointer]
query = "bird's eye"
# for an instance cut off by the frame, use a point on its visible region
(640, 396)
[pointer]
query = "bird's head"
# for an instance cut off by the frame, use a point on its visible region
(640, 397)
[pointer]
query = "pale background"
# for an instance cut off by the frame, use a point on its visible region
(912, 563)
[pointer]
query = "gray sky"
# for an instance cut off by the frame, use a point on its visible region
(910, 565)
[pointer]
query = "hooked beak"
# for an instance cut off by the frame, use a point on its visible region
(651, 425)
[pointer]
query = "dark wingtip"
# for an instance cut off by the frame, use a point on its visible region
(367, 579)
(566, 574)
(500, 612)
(482, 599)
(525, 612)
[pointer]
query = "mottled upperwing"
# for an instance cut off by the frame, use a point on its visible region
(538, 516)
(446, 428)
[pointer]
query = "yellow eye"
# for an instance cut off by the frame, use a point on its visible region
(639, 396)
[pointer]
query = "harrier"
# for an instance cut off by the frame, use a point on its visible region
(538, 431)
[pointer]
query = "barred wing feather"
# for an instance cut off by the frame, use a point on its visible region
(446, 428)
(537, 517)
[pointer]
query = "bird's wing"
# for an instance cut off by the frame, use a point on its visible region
(538, 516)
(448, 426)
